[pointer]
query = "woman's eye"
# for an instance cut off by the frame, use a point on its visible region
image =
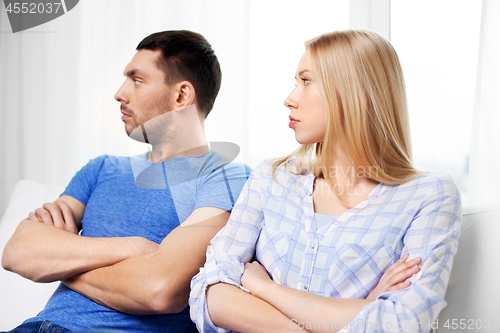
(306, 81)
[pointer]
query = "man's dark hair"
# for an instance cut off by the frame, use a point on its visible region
(187, 55)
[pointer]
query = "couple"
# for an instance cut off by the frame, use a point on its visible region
(343, 234)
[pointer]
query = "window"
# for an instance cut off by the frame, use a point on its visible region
(437, 43)
(276, 32)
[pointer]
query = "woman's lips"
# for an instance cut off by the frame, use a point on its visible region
(292, 122)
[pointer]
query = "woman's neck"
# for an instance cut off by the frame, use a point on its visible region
(349, 181)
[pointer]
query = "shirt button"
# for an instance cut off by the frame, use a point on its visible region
(305, 287)
(312, 247)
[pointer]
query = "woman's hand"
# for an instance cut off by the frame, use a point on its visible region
(394, 277)
(255, 278)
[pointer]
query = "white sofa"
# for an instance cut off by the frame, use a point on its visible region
(20, 298)
(473, 292)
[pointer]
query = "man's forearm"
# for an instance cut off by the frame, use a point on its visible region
(44, 253)
(158, 282)
(138, 285)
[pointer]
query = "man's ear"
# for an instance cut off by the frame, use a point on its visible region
(184, 94)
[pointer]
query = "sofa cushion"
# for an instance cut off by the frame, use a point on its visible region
(473, 291)
(20, 297)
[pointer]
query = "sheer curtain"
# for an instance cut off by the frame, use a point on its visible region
(57, 80)
(485, 147)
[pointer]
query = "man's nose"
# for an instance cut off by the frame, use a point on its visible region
(121, 95)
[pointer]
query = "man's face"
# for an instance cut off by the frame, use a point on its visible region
(144, 94)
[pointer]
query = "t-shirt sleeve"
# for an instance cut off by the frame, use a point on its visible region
(233, 246)
(83, 182)
(222, 187)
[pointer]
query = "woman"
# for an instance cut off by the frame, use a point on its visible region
(327, 221)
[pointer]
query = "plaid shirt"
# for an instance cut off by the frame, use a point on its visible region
(273, 220)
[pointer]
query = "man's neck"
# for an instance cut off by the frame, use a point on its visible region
(157, 155)
(176, 133)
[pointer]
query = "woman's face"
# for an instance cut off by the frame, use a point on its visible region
(307, 111)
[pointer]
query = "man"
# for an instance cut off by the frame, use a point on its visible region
(115, 275)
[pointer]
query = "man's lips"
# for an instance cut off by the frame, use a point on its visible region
(125, 115)
(124, 110)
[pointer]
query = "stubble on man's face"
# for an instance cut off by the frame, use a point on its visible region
(139, 117)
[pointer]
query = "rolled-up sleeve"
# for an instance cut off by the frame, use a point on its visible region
(433, 236)
(228, 251)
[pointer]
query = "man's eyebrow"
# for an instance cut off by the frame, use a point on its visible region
(135, 71)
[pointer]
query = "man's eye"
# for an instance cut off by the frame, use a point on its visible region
(137, 82)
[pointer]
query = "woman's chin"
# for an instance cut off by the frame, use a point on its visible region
(305, 140)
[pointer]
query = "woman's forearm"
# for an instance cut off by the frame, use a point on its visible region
(312, 312)
(231, 308)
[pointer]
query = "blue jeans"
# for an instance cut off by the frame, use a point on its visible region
(39, 327)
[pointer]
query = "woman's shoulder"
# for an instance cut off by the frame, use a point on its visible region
(433, 182)
(274, 177)
(428, 175)
(436, 177)
(270, 168)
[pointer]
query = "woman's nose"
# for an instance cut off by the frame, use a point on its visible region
(291, 101)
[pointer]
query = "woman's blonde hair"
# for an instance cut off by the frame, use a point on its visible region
(360, 79)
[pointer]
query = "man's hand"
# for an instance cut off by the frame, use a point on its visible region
(57, 214)
(394, 277)
(42, 253)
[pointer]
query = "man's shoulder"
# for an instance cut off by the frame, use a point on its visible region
(229, 164)
(106, 164)
(216, 163)
(99, 160)
(110, 161)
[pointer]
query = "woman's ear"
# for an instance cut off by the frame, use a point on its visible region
(184, 94)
